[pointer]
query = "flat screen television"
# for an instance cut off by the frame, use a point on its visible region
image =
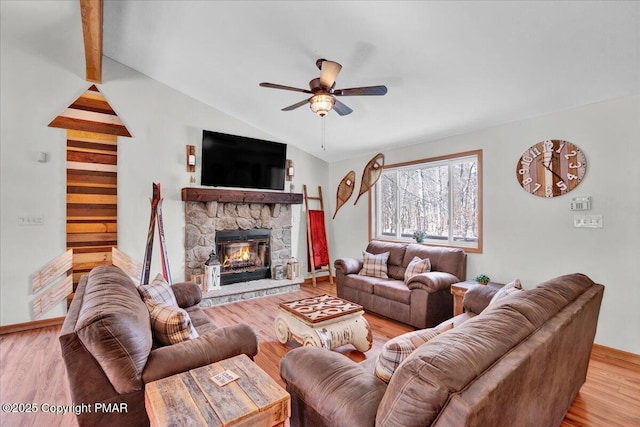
(238, 161)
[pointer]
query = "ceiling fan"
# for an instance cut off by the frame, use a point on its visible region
(324, 94)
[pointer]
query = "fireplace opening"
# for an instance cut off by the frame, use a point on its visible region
(243, 255)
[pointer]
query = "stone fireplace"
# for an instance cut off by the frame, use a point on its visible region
(205, 220)
(254, 226)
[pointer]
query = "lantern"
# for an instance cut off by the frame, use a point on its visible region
(212, 272)
(293, 269)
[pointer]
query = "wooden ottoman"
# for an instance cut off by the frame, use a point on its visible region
(323, 321)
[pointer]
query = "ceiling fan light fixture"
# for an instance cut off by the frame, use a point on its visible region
(321, 104)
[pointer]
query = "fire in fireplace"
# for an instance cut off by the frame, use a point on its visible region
(243, 254)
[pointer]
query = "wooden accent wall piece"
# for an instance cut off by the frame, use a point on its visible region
(92, 179)
(56, 272)
(92, 199)
(129, 265)
(92, 113)
(51, 271)
(53, 296)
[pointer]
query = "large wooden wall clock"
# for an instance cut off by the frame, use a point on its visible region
(551, 168)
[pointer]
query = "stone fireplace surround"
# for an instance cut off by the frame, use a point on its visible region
(211, 210)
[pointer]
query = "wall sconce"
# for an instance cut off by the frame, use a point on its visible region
(191, 158)
(289, 171)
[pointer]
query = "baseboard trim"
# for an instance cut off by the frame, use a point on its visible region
(319, 279)
(27, 326)
(614, 353)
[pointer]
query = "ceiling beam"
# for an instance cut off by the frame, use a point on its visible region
(91, 12)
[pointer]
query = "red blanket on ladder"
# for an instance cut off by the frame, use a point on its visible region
(318, 239)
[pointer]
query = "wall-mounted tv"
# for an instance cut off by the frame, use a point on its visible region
(238, 161)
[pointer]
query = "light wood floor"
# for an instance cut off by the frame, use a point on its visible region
(31, 368)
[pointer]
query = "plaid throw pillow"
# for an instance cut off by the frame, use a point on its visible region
(170, 325)
(375, 265)
(396, 350)
(508, 289)
(158, 290)
(417, 266)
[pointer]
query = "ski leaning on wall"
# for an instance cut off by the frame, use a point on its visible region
(156, 217)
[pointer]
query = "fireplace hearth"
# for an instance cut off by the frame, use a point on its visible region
(244, 255)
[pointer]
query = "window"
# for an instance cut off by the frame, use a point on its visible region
(440, 196)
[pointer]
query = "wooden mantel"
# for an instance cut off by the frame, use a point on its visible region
(195, 194)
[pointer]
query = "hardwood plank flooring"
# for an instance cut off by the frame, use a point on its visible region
(31, 367)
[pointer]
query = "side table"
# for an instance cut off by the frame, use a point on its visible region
(459, 289)
(193, 399)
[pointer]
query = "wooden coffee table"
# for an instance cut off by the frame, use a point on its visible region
(323, 321)
(193, 399)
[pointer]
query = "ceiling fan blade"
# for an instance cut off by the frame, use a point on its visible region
(296, 105)
(329, 72)
(360, 91)
(276, 86)
(341, 109)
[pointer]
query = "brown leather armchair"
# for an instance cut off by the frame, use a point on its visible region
(109, 352)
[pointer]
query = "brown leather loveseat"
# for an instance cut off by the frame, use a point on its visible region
(520, 362)
(110, 354)
(423, 300)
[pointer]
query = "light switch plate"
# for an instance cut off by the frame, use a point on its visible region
(587, 221)
(31, 220)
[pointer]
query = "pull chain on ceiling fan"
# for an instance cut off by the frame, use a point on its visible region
(323, 97)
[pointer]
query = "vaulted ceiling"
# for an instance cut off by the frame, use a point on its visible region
(450, 67)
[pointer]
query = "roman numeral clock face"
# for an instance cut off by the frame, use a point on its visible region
(551, 168)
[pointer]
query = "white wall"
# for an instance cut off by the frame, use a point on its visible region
(37, 85)
(533, 238)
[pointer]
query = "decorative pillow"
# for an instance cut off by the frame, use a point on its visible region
(508, 289)
(396, 350)
(170, 325)
(375, 265)
(158, 290)
(417, 266)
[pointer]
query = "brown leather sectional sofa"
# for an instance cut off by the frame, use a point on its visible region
(109, 351)
(520, 362)
(425, 300)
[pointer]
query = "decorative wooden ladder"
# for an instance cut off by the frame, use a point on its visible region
(317, 237)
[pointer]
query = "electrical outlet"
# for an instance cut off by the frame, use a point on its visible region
(31, 220)
(587, 221)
